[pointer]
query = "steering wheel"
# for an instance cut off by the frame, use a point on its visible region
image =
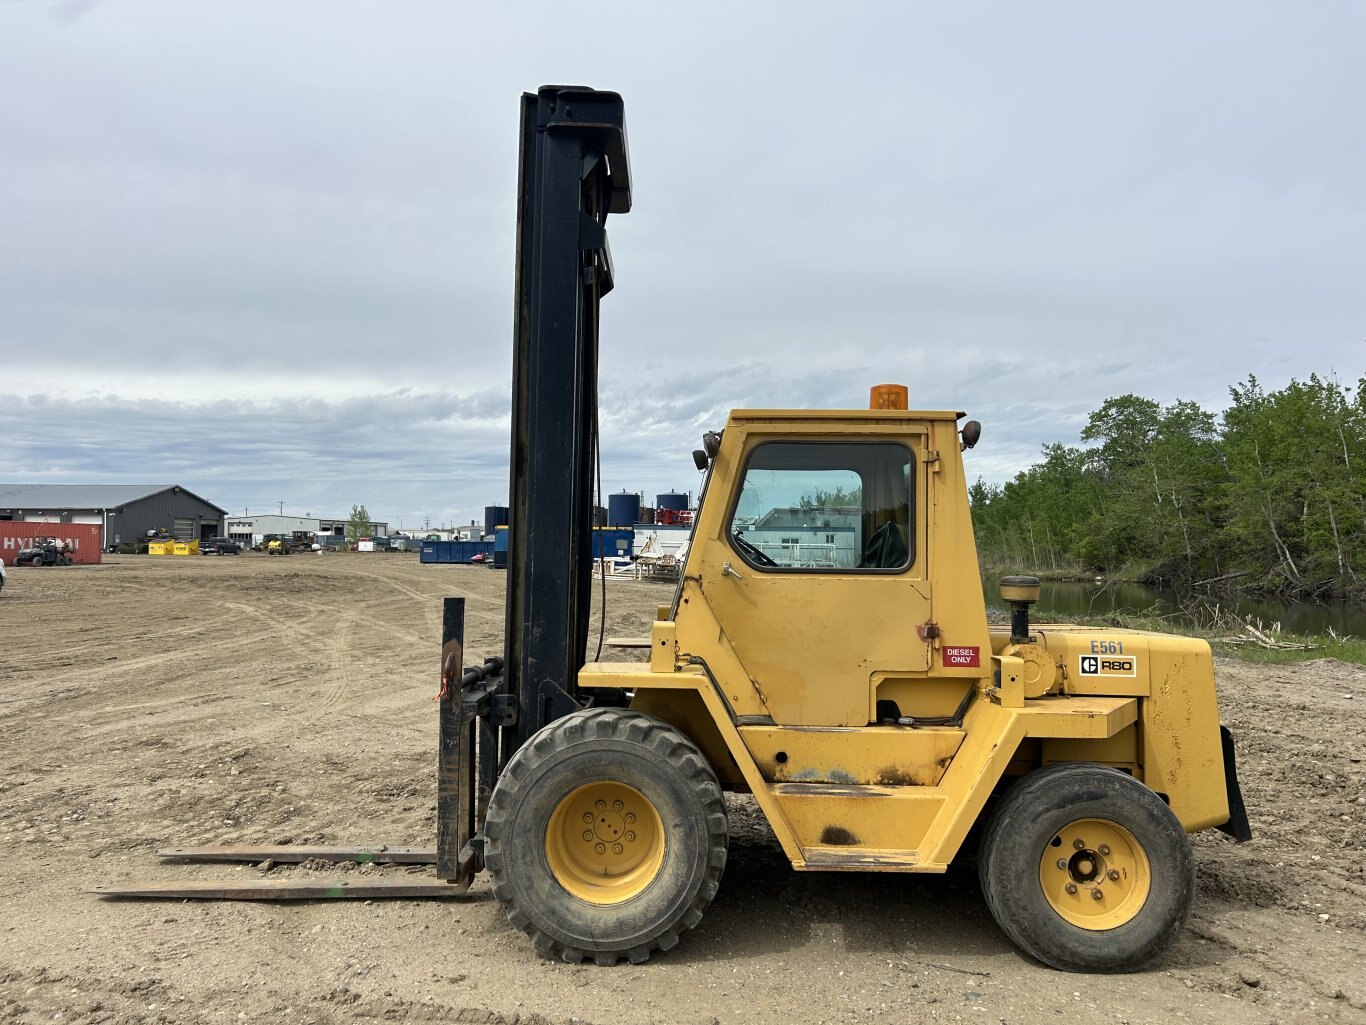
(754, 553)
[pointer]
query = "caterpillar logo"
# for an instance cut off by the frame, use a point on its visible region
(1109, 665)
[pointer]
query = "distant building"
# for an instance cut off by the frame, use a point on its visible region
(816, 537)
(251, 529)
(124, 511)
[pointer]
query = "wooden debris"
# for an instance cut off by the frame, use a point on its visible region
(1256, 636)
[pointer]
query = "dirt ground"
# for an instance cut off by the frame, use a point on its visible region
(154, 702)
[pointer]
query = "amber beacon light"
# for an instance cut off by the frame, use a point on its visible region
(889, 396)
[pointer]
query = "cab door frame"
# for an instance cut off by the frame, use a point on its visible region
(815, 641)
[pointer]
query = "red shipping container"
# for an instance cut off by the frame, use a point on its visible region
(84, 538)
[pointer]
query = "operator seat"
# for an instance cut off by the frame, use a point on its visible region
(885, 549)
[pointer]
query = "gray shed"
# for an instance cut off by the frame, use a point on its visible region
(125, 511)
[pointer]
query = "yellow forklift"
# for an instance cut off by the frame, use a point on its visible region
(860, 697)
(863, 701)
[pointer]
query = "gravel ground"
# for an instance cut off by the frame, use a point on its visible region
(156, 702)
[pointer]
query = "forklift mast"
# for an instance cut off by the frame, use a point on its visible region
(573, 171)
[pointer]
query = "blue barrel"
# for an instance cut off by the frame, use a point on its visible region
(495, 516)
(675, 501)
(623, 510)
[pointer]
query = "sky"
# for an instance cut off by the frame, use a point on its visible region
(265, 250)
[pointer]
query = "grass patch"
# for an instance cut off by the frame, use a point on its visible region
(1344, 649)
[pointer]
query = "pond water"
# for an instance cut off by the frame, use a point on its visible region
(1091, 599)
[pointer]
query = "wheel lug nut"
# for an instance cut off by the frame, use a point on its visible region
(617, 806)
(588, 835)
(599, 805)
(630, 836)
(630, 816)
(588, 816)
(1071, 887)
(1113, 875)
(601, 848)
(1062, 863)
(1079, 844)
(616, 848)
(1096, 894)
(1105, 848)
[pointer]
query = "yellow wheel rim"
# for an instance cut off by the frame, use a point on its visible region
(605, 842)
(1095, 874)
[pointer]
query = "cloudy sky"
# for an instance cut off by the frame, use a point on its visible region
(265, 250)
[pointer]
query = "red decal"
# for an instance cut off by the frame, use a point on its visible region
(962, 657)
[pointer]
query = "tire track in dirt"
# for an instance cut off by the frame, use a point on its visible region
(33, 707)
(432, 602)
(339, 650)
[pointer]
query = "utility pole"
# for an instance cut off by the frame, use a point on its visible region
(282, 507)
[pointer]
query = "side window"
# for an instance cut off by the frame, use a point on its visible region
(816, 506)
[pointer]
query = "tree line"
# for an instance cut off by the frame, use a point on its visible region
(1270, 494)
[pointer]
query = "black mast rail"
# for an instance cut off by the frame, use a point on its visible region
(574, 170)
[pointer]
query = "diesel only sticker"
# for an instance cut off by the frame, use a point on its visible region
(960, 657)
(1109, 665)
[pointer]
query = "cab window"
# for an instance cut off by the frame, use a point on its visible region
(814, 506)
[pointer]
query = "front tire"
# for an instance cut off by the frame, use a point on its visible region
(1087, 869)
(606, 836)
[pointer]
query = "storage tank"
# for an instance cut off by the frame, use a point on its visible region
(495, 516)
(647, 514)
(675, 501)
(623, 509)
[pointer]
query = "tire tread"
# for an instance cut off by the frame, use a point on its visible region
(650, 733)
(1038, 791)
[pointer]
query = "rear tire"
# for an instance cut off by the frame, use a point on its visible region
(1087, 869)
(606, 836)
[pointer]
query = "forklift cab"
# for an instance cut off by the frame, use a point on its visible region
(811, 552)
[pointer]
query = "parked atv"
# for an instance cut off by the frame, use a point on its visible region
(45, 551)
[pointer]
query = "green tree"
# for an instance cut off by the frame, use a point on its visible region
(1274, 488)
(1295, 487)
(1031, 521)
(822, 499)
(1158, 470)
(358, 525)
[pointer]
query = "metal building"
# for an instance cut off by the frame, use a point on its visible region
(124, 511)
(251, 529)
